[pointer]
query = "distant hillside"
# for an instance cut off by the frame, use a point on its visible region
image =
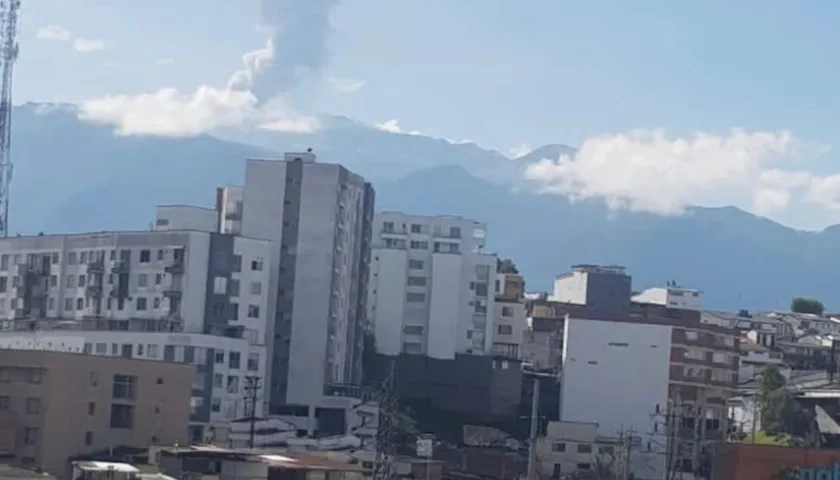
(73, 176)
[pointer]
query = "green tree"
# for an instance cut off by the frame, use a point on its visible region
(807, 305)
(781, 416)
(506, 265)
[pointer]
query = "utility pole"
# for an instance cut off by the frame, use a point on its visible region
(535, 419)
(252, 389)
(629, 448)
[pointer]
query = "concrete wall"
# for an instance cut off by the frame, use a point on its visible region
(601, 381)
(186, 217)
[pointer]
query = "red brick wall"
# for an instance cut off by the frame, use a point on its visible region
(743, 461)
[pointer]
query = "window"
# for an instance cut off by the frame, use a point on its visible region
(88, 438)
(141, 303)
(237, 263)
(80, 303)
(82, 281)
(218, 380)
(415, 297)
(34, 376)
(71, 281)
(101, 348)
(419, 245)
(557, 470)
(233, 287)
(215, 404)
(142, 280)
(507, 311)
(232, 384)
(256, 288)
(455, 232)
(505, 329)
(584, 466)
(4, 284)
(559, 447)
(220, 285)
(584, 448)
(480, 289)
(253, 362)
(412, 348)
(220, 357)
(234, 360)
(91, 408)
(388, 227)
(417, 281)
(415, 264)
(30, 436)
(692, 335)
(5, 403)
(413, 330)
(68, 304)
(83, 258)
(122, 416)
(145, 256)
(253, 311)
(416, 228)
(124, 386)
(71, 258)
(5, 375)
(33, 406)
(156, 303)
(158, 279)
(257, 264)
(4, 262)
(53, 280)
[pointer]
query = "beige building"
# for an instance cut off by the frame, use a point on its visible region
(570, 447)
(56, 405)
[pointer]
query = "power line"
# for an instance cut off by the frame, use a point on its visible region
(386, 424)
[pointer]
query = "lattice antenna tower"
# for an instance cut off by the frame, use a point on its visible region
(387, 425)
(9, 11)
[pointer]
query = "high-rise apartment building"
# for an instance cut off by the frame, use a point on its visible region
(431, 286)
(317, 218)
(186, 296)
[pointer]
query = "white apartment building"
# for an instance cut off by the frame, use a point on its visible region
(431, 286)
(674, 297)
(316, 218)
(140, 289)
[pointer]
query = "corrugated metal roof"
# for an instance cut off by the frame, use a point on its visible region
(826, 424)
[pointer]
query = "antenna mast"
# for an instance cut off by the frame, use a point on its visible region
(9, 10)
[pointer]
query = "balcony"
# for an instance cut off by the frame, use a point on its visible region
(173, 293)
(120, 267)
(175, 267)
(96, 267)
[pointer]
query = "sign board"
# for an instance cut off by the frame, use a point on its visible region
(425, 447)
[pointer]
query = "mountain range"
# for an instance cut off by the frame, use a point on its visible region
(73, 176)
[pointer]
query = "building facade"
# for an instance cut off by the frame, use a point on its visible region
(509, 321)
(55, 405)
(431, 286)
(317, 218)
(140, 294)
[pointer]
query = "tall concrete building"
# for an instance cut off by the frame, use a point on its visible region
(187, 296)
(431, 286)
(318, 219)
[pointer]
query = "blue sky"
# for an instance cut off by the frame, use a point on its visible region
(505, 73)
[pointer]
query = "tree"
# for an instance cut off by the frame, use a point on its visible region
(506, 265)
(807, 305)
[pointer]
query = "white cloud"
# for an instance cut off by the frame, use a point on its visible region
(168, 112)
(518, 151)
(652, 172)
(346, 85)
(87, 45)
(54, 33)
(393, 126)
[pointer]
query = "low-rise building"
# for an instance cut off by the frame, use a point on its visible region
(576, 447)
(55, 406)
(509, 322)
(671, 296)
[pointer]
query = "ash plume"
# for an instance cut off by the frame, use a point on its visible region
(295, 51)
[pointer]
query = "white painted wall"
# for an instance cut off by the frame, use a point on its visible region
(445, 326)
(615, 374)
(682, 298)
(570, 288)
(387, 289)
(186, 217)
(193, 282)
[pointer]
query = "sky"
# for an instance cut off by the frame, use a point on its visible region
(671, 103)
